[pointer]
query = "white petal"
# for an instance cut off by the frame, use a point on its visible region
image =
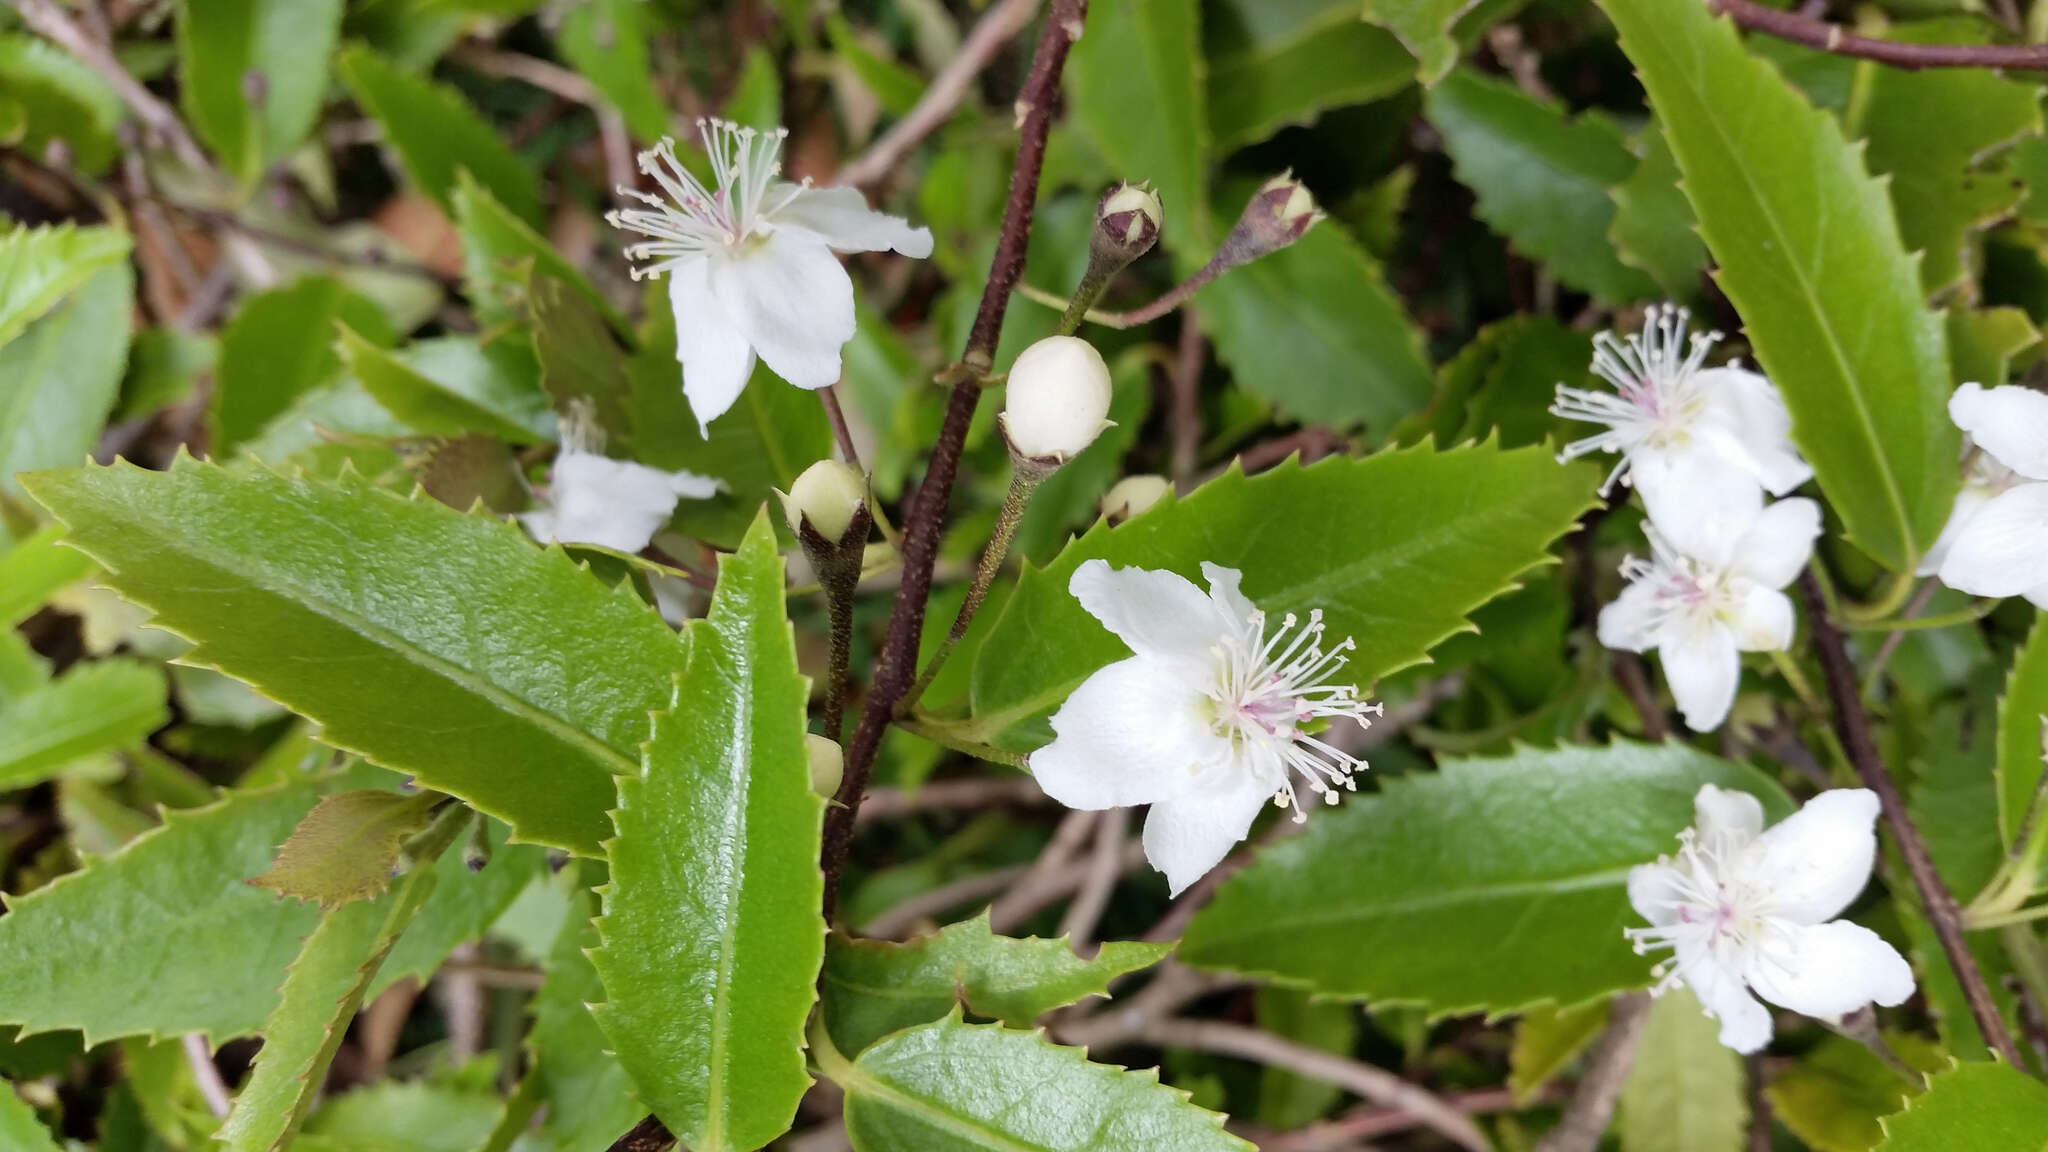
(1157, 613)
(1745, 1022)
(1191, 833)
(1699, 502)
(1830, 970)
(1779, 543)
(2009, 421)
(841, 217)
(1703, 668)
(1818, 859)
(1130, 734)
(714, 353)
(539, 524)
(1968, 502)
(2038, 596)
(2003, 550)
(616, 504)
(1629, 623)
(1223, 589)
(794, 303)
(1655, 891)
(1763, 620)
(1749, 408)
(1727, 814)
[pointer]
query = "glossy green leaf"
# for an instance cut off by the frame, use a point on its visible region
(347, 847)
(135, 944)
(253, 74)
(59, 98)
(590, 1099)
(95, 707)
(38, 266)
(1315, 329)
(1653, 227)
(1411, 896)
(956, 1087)
(1833, 1097)
(1134, 82)
(608, 41)
(1984, 343)
(1541, 178)
(59, 379)
(1276, 64)
(1810, 255)
(874, 987)
(33, 570)
(712, 938)
(321, 994)
(438, 135)
(1424, 27)
(19, 1128)
(453, 386)
(1424, 537)
(404, 1116)
(1685, 1090)
(1973, 1108)
(452, 649)
(2022, 714)
(1547, 1040)
(278, 348)
(501, 253)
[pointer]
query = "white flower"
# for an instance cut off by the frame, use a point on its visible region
(1211, 717)
(614, 504)
(1996, 540)
(1748, 911)
(1700, 609)
(750, 263)
(1702, 445)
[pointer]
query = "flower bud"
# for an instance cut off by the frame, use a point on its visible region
(1133, 495)
(1126, 223)
(830, 495)
(1277, 215)
(1058, 399)
(828, 764)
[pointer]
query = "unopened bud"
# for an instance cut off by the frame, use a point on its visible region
(1133, 495)
(1127, 223)
(829, 494)
(828, 764)
(1058, 399)
(1277, 215)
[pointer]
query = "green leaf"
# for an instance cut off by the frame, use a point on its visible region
(1411, 896)
(278, 348)
(403, 1116)
(1271, 65)
(453, 386)
(136, 944)
(501, 252)
(1833, 1097)
(1653, 227)
(38, 266)
(715, 888)
(165, 365)
(1685, 1090)
(35, 569)
(1546, 1041)
(1428, 537)
(320, 996)
(438, 135)
(1288, 1099)
(1810, 255)
(929, 1088)
(59, 379)
(607, 41)
(93, 708)
(2021, 716)
(19, 1128)
(1135, 84)
(1973, 1108)
(59, 98)
(463, 905)
(451, 648)
(1983, 343)
(1424, 28)
(580, 359)
(873, 987)
(347, 847)
(1501, 384)
(253, 74)
(1541, 178)
(589, 1098)
(1315, 329)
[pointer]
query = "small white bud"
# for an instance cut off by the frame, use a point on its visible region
(1058, 399)
(828, 764)
(1132, 495)
(1277, 215)
(829, 494)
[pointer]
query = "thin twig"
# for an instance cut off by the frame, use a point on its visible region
(1892, 640)
(841, 431)
(541, 74)
(1066, 841)
(974, 792)
(1592, 1104)
(933, 901)
(1853, 726)
(1371, 1121)
(943, 95)
(1759, 1104)
(1842, 42)
(1104, 866)
(1097, 1026)
(207, 1073)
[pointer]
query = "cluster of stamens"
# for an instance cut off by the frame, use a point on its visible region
(1268, 689)
(1713, 905)
(1682, 588)
(1655, 396)
(693, 219)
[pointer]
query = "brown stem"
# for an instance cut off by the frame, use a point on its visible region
(897, 664)
(1759, 1104)
(841, 431)
(1838, 40)
(1853, 727)
(1593, 1101)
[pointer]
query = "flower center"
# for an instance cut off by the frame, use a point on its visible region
(1684, 592)
(1656, 399)
(693, 220)
(1271, 693)
(1716, 909)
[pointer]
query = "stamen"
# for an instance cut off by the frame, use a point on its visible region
(694, 219)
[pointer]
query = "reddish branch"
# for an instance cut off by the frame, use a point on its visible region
(1853, 727)
(1834, 38)
(896, 668)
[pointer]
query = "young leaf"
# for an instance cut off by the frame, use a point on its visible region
(1410, 896)
(19, 1128)
(949, 1086)
(59, 379)
(38, 266)
(279, 347)
(1541, 178)
(451, 648)
(1424, 28)
(253, 74)
(1834, 1096)
(463, 905)
(453, 386)
(1136, 84)
(33, 570)
(438, 135)
(2020, 753)
(1546, 1041)
(874, 987)
(347, 847)
(1810, 255)
(1425, 537)
(136, 944)
(92, 708)
(1981, 1107)
(713, 901)
(501, 252)
(1684, 1091)
(1288, 1099)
